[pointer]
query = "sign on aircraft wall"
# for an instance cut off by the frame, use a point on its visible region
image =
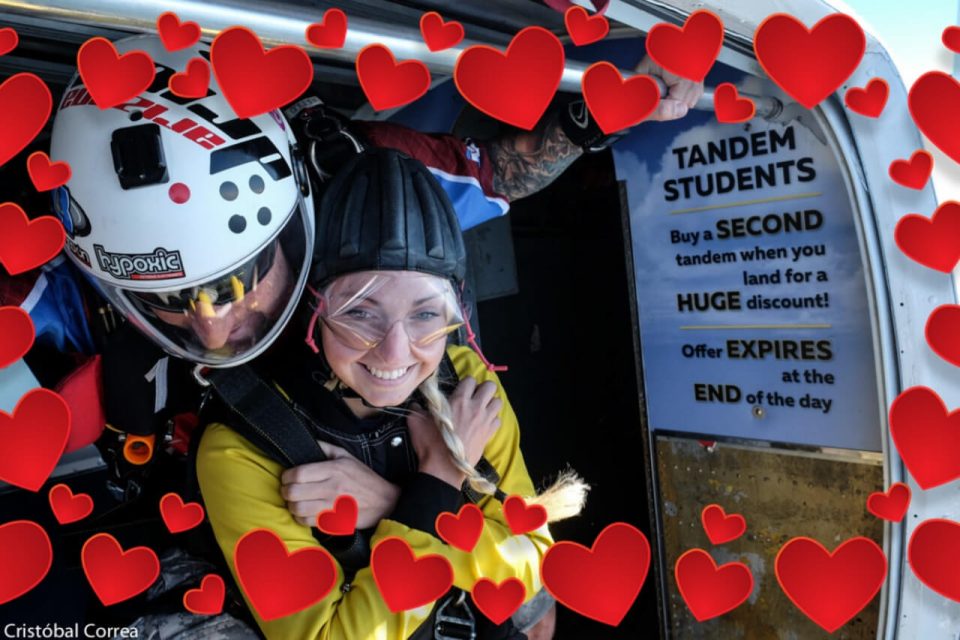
(753, 308)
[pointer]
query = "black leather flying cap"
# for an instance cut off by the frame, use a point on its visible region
(385, 211)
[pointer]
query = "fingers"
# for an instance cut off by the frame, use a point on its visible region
(308, 509)
(466, 388)
(312, 472)
(332, 451)
(682, 94)
(687, 92)
(485, 392)
(669, 109)
(299, 491)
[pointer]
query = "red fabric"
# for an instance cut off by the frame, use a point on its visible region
(184, 426)
(436, 150)
(83, 392)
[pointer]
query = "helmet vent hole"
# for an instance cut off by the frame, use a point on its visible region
(229, 191)
(256, 184)
(136, 115)
(237, 223)
(264, 216)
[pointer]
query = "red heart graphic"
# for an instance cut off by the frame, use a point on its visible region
(710, 591)
(719, 526)
(927, 437)
(8, 40)
(831, 588)
(809, 64)
(115, 574)
(498, 602)
(891, 505)
(437, 34)
(943, 333)
(617, 104)
(405, 581)
(522, 518)
(342, 519)
(33, 438)
(47, 175)
(26, 244)
(934, 100)
(16, 327)
(688, 51)
(25, 555)
(951, 38)
(933, 242)
(25, 105)
(602, 582)
(386, 83)
(912, 173)
(868, 101)
(277, 582)
(583, 28)
(730, 107)
(329, 33)
(177, 35)
(254, 81)
(192, 83)
(208, 599)
(68, 507)
(178, 516)
(110, 78)
(515, 87)
(934, 556)
(462, 530)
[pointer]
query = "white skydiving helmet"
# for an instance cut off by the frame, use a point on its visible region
(197, 225)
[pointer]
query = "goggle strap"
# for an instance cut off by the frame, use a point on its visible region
(311, 327)
(472, 338)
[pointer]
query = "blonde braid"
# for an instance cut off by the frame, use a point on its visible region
(442, 415)
(565, 498)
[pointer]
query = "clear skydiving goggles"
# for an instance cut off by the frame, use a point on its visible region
(361, 309)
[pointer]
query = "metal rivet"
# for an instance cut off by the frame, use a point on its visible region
(396, 441)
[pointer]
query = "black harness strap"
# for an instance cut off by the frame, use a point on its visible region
(267, 419)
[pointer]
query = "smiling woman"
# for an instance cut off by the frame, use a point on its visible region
(411, 427)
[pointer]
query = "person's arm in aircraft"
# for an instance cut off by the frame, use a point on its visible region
(482, 178)
(525, 162)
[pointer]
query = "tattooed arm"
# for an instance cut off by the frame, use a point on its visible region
(527, 161)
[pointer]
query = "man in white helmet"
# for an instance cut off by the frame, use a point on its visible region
(196, 225)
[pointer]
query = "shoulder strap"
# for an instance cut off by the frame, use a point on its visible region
(265, 417)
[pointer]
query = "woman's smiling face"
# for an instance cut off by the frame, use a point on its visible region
(384, 333)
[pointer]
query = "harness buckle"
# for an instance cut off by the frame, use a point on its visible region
(454, 620)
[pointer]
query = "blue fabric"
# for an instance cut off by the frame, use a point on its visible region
(473, 207)
(59, 318)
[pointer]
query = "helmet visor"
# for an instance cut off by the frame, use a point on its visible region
(234, 316)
